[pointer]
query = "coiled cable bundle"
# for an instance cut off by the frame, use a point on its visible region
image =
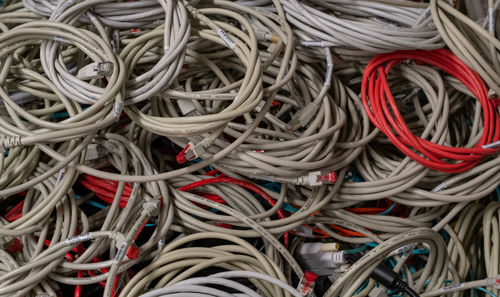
(375, 92)
(473, 44)
(365, 27)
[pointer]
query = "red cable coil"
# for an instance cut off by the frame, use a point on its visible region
(375, 92)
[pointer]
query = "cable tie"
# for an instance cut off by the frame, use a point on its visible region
(492, 145)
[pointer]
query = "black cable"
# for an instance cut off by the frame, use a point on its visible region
(386, 277)
(409, 291)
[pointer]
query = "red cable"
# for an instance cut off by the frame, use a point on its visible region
(375, 94)
(78, 288)
(15, 213)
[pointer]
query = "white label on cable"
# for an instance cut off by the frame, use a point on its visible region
(120, 253)
(227, 39)
(118, 109)
(452, 287)
(439, 188)
(60, 39)
(116, 40)
(427, 11)
(403, 249)
(60, 176)
(78, 239)
(91, 16)
(491, 19)
(329, 72)
(312, 43)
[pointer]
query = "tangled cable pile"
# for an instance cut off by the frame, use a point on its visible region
(249, 148)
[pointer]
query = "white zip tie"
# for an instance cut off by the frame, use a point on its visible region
(492, 145)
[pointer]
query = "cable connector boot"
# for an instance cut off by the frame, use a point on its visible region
(190, 152)
(318, 178)
(307, 283)
(95, 70)
(302, 117)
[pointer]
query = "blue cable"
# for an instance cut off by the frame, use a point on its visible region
(98, 205)
(486, 291)
(356, 250)
(388, 210)
(472, 278)
(371, 244)
(363, 286)
(288, 207)
(498, 193)
(62, 114)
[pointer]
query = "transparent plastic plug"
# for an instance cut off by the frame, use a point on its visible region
(190, 152)
(95, 70)
(302, 117)
(307, 283)
(318, 178)
(327, 177)
(321, 258)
